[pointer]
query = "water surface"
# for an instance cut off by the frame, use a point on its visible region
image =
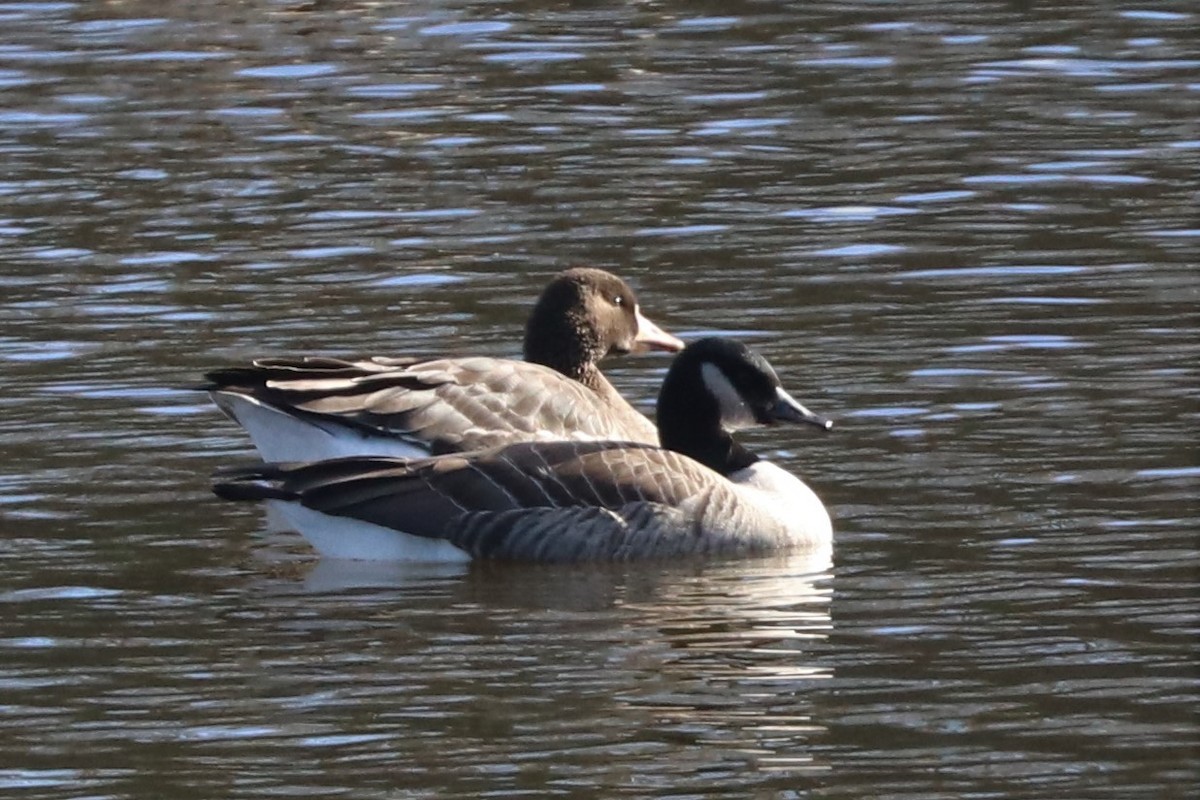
(967, 231)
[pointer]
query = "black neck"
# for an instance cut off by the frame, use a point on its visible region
(721, 454)
(689, 422)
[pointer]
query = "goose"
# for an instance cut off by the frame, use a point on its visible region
(699, 493)
(309, 409)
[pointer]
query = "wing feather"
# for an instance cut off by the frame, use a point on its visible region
(454, 405)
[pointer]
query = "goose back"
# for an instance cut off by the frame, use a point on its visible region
(425, 408)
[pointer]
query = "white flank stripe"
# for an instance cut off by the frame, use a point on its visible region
(279, 436)
(352, 539)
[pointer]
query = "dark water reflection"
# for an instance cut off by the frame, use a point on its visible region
(520, 677)
(968, 231)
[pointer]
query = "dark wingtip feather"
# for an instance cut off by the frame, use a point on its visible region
(216, 379)
(225, 377)
(251, 482)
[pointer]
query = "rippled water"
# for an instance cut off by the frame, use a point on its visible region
(967, 231)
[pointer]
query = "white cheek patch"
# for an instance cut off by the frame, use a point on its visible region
(735, 414)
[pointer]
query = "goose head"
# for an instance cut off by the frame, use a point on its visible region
(585, 314)
(717, 386)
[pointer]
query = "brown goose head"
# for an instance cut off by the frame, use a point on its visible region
(585, 314)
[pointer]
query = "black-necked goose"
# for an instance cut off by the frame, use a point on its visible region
(699, 493)
(318, 408)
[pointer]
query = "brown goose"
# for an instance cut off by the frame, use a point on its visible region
(699, 493)
(317, 408)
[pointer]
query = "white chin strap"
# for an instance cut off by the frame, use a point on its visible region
(735, 414)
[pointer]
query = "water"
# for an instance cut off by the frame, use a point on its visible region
(966, 231)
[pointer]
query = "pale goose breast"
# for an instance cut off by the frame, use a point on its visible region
(699, 494)
(315, 408)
